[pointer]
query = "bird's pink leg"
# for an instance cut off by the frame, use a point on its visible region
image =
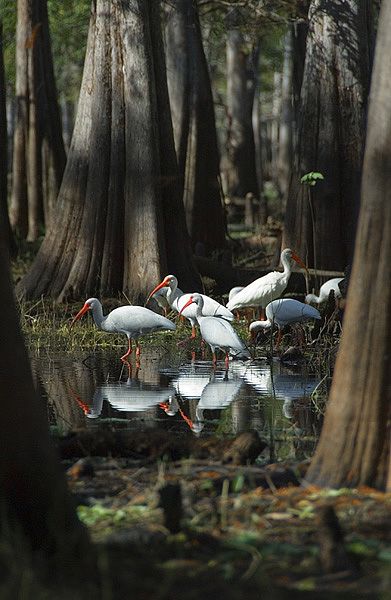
(214, 359)
(138, 354)
(125, 356)
(192, 337)
(226, 359)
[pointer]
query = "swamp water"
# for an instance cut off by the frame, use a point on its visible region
(185, 397)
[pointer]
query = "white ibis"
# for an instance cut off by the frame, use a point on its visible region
(233, 291)
(325, 289)
(267, 288)
(284, 311)
(133, 321)
(218, 333)
(177, 300)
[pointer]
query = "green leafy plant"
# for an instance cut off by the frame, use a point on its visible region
(311, 178)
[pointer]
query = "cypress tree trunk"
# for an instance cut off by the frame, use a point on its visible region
(195, 134)
(38, 154)
(285, 148)
(241, 173)
(331, 133)
(354, 448)
(10, 243)
(118, 203)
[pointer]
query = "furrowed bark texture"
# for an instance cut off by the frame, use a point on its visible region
(331, 133)
(354, 448)
(38, 154)
(110, 232)
(241, 175)
(195, 134)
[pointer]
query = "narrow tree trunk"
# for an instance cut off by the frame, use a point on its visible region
(9, 240)
(257, 129)
(286, 120)
(195, 134)
(118, 200)
(39, 155)
(241, 173)
(354, 448)
(331, 133)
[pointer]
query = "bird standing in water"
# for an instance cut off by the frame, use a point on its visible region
(284, 311)
(217, 332)
(177, 300)
(133, 321)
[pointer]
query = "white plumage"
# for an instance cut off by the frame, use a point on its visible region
(265, 289)
(217, 332)
(133, 321)
(325, 289)
(285, 311)
(177, 300)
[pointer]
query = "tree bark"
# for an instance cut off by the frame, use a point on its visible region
(33, 495)
(38, 155)
(331, 133)
(9, 239)
(285, 148)
(241, 172)
(195, 134)
(119, 199)
(354, 448)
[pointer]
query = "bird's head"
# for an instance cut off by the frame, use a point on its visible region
(168, 281)
(88, 305)
(290, 255)
(194, 299)
(256, 328)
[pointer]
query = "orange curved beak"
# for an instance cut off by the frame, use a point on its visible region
(161, 285)
(190, 301)
(81, 312)
(299, 261)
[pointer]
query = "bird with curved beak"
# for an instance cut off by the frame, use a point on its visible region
(217, 332)
(267, 288)
(133, 321)
(177, 300)
(284, 311)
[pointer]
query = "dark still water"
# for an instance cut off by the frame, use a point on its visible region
(185, 397)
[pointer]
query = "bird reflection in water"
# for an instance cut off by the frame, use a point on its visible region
(131, 395)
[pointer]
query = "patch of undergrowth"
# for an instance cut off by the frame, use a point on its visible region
(243, 534)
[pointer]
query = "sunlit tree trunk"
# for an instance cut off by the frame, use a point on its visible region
(34, 501)
(331, 133)
(354, 448)
(120, 224)
(4, 154)
(195, 135)
(39, 155)
(241, 171)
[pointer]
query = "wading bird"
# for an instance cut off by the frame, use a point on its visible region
(177, 300)
(325, 289)
(133, 321)
(284, 311)
(267, 288)
(217, 332)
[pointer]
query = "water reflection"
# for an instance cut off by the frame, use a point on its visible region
(190, 398)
